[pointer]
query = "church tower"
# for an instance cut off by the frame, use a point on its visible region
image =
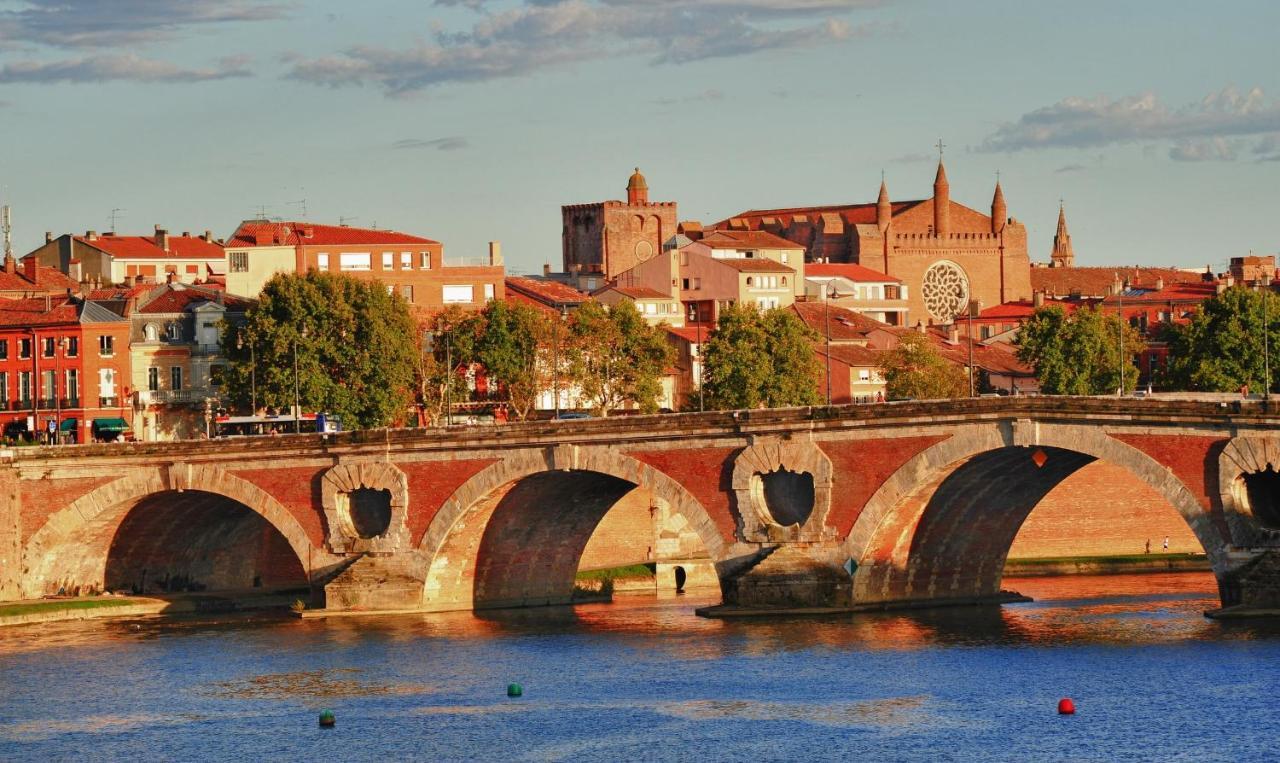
(1062, 256)
(941, 202)
(999, 212)
(884, 209)
(637, 190)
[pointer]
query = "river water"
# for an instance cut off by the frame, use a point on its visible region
(644, 679)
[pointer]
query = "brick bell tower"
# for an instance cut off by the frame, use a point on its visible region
(608, 238)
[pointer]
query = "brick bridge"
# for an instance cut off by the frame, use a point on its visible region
(921, 500)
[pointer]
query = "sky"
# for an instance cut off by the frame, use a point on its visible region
(1156, 123)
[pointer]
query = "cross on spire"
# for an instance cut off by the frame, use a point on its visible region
(941, 146)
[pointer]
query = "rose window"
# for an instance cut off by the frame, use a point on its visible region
(945, 290)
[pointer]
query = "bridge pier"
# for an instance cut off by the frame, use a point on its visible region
(10, 535)
(1250, 587)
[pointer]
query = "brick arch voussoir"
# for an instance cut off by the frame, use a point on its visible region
(73, 544)
(881, 512)
(523, 464)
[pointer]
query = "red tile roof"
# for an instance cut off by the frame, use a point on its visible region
(546, 290)
(754, 264)
(47, 279)
(144, 247)
(112, 293)
(691, 334)
(999, 357)
(851, 214)
(845, 323)
(176, 300)
(851, 354)
(747, 239)
(17, 313)
(1096, 281)
(1022, 309)
(849, 270)
(636, 292)
(251, 232)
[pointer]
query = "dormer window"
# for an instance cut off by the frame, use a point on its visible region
(151, 333)
(175, 332)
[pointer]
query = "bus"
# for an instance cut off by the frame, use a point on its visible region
(257, 426)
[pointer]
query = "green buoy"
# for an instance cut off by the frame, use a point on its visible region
(515, 690)
(326, 719)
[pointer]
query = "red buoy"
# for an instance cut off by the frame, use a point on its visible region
(1066, 706)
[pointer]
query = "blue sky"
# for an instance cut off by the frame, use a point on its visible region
(467, 120)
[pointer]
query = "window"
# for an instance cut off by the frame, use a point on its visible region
(50, 347)
(459, 294)
(684, 258)
(106, 345)
(388, 261)
(784, 280)
(153, 378)
(750, 282)
(106, 382)
(697, 284)
(174, 332)
(406, 260)
(175, 377)
(425, 259)
(785, 256)
(24, 388)
(24, 348)
(693, 313)
(193, 270)
(73, 385)
(354, 261)
(171, 269)
(865, 374)
(391, 289)
(150, 333)
(406, 291)
(986, 333)
(650, 308)
(73, 346)
(48, 385)
(684, 284)
(322, 261)
(488, 292)
(4, 389)
(4, 351)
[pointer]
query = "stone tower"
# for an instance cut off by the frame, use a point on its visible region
(1062, 256)
(607, 238)
(941, 202)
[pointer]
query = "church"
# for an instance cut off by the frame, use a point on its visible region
(944, 252)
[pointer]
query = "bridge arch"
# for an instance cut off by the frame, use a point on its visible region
(941, 526)
(72, 549)
(512, 535)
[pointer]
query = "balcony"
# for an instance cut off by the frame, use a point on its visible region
(48, 403)
(205, 350)
(109, 402)
(174, 396)
(70, 402)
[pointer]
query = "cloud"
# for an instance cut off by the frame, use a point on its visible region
(451, 143)
(1198, 132)
(710, 94)
(1066, 168)
(545, 34)
(128, 67)
(113, 23)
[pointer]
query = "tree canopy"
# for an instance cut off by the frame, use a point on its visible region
(755, 359)
(1221, 348)
(356, 349)
(614, 357)
(915, 370)
(1079, 353)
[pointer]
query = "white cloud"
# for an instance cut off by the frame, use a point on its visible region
(1200, 131)
(113, 23)
(116, 67)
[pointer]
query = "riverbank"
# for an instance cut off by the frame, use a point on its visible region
(1124, 564)
(94, 607)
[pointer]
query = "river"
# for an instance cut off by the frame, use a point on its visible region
(645, 679)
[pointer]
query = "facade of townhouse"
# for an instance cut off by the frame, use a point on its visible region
(412, 266)
(64, 366)
(108, 259)
(869, 292)
(654, 306)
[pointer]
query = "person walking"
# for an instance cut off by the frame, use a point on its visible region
(1166, 544)
(1148, 546)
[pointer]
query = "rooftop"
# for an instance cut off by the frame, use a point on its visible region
(269, 233)
(1097, 281)
(747, 239)
(848, 270)
(185, 247)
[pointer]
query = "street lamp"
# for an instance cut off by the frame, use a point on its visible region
(253, 371)
(57, 401)
(555, 360)
(701, 373)
(297, 406)
(973, 308)
(1266, 339)
(1120, 366)
(828, 294)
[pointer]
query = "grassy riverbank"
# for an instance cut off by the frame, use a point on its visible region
(61, 605)
(1117, 564)
(627, 572)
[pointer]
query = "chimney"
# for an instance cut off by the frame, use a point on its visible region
(92, 235)
(953, 334)
(546, 270)
(10, 264)
(186, 234)
(495, 253)
(208, 236)
(137, 280)
(48, 237)
(1219, 287)
(130, 306)
(74, 270)
(30, 269)
(1159, 284)
(162, 238)
(920, 326)
(1037, 299)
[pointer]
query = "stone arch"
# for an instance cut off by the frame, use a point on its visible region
(1247, 455)
(453, 543)
(71, 548)
(771, 456)
(899, 542)
(336, 486)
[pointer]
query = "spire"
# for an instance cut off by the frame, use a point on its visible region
(999, 212)
(1063, 256)
(941, 200)
(884, 208)
(637, 189)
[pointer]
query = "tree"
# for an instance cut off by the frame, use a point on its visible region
(916, 370)
(755, 359)
(354, 346)
(615, 357)
(1221, 348)
(447, 350)
(1079, 354)
(510, 348)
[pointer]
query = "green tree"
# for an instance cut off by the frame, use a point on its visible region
(511, 347)
(755, 359)
(1221, 348)
(916, 370)
(446, 352)
(615, 357)
(1079, 354)
(354, 346)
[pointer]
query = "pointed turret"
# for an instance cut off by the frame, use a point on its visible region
(999, 212)
(884, 209)
(637, 189)
(1063, 256)
(941, 202)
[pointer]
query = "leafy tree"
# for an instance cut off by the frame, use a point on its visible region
(755, 359)
(614, 357)
(447, 350)
(1079, 354)
(510, 347)
(916, 370)
(353, 343)
(1221, 348)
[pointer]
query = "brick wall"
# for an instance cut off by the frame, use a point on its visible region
(624, 536)
(10, 536)
(1102, 509)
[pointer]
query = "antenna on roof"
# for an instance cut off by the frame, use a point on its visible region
(262, 212)
(6, 225)
(299, 203)
(115, 213)
(344, 219)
